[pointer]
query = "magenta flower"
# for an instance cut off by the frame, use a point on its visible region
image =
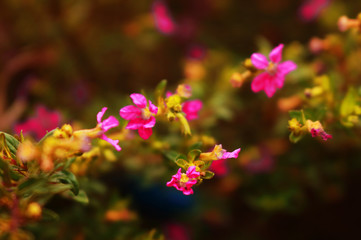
(274, 73)
(162, 17)
(223, 154)
(140, 116)
(219, 153)
(43, 122)
(220, 167)
(320, 132)
(107, 124)
(191, 109)
(184, 181)
(310, 9)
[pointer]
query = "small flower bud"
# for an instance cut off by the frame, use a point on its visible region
(313, 92)
(248, 64)
(27, 151)
(238, 79)
(67, 129)
(184, 90)
(317, 45)
(33, 210)
(344, 23)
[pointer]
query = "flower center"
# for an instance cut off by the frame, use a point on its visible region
(184, 179)
(146, 114)
(218, 151)
(272, 68)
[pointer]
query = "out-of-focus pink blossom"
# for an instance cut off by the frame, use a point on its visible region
(107, 124)
(184, 181)
(310, 9)
(43, 122)
(220, 167)
(260, 162)
(191, 109)
(162, 17)
(274, 73)
(196, 52)
(141, 117)
(176, 231)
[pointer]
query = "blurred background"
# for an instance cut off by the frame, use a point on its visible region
(73, 57)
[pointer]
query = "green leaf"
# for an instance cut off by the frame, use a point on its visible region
(30, 185)
(294, 139)
(69, 162)
(181, 156)
(11, 142)
(67, 177)
(194, 155)
(5, 172)
(315, 114)
(298, 115)
(47, 135)
(81, 197)
(208, 175)
(196, 145)
(49, 215)
(181, 163)
(349, 102)
(160, 89)
(171, 155)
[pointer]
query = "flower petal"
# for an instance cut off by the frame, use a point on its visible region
(139, 100)
(270, 87)
(149, 123)
(109, 123)
(233, 154)
(112, 142)
(101, 114)
(276, 54)
(259, 82)
(187, 191)
(286, 67)
(259, 60)
(191, 108)
(130, 112)
(162, 17)
(279, 79)
(152, 108)
(135, 123)
(145, 133)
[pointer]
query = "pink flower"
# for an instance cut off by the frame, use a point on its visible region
(223, 154)
(316, 129)
(107, 124)
(219, 153)
(162, 18)
(191, 109)
(274, 71)
(140, 116)
(43, 122)
(184, 181)
(310, 9)
(320, 132)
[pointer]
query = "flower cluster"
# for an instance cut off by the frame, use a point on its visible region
(197, 165)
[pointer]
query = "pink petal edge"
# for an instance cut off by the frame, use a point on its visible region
(139, 100)
(259, 60)
(276, 54)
